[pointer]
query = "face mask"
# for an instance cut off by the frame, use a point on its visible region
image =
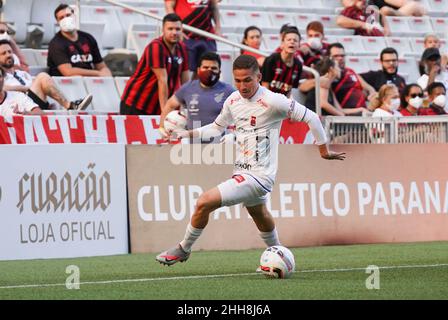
(394, 104)
(440, 101)
(68, 24)
(315, 43)
(5, 36)
(208, 77)
(416, 102)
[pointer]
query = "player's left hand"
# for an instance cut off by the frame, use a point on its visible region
(331, 155)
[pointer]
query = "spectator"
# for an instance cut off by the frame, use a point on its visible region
(198, 14)
(252, 38)
(433, 41)
(386, 102)
(283, 29)
(203, 98)
(388, 74)
(411, 100)
(281, 71)
(437, 100)
(19, 59)
(15, 103)
(312, 51)
(431, 66)
(399, 7)
(39, 88)
(161, 70)
(73, 52)
(354, 16)
(349, 89)
(329, 71)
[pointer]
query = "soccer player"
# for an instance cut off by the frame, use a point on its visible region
(257, 114)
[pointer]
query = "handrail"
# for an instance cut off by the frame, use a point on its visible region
(231, 43)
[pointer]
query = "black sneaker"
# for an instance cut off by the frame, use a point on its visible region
(81, 104)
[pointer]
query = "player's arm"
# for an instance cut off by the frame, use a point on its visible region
(162, 84)
(67, 70)
(185, 76)
(367, 87)
(169, 6)
(103, 70)
(216, 17)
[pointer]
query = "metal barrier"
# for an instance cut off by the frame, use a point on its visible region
(362, 130)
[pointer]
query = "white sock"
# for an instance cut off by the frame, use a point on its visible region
(270, 238)
(191, 235)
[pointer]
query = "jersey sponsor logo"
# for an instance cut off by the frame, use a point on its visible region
(239, 178)
(179, 60)
(80, 58)
(262, 103)
(353, 77)
(244, 166)
(280, 86)
(278, 71)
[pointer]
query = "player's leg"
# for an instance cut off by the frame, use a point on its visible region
(207, 203)
(43, 86)
(412, 8)
(265, 224)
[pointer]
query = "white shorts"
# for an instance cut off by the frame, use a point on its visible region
(243, 188)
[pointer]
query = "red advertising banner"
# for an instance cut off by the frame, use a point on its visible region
(106, 129)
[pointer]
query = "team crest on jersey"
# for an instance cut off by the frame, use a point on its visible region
(262, 103)
(238, 178)
(253, 121)
(219, 97)
(278, 71)
(354, 79)
(180, 60)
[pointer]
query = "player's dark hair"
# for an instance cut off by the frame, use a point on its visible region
(245, 61)
(171, 17)
(435, 85)
(335, 45)
(60, 7)
(291, 30)
(210, 56)
(405, 93)
(388, 50)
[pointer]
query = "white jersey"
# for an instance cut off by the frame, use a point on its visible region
(16, 103)
(14, 79)
(257, 123)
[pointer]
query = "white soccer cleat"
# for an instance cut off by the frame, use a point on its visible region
(173, 255)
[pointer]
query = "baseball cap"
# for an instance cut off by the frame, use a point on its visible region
(430, 53)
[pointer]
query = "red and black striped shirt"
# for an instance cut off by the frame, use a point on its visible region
(196, 13)
(280, 77)
(355, 13)
(141, 91)
(348, 90)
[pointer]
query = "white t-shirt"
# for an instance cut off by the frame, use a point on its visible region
(257, 128)
(10, 80)
(383, 113)
(16, 103)
(441, 77)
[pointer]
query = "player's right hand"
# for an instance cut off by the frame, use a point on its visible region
(165, 135)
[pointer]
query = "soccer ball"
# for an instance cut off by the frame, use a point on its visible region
(175, 120)
(277, 262)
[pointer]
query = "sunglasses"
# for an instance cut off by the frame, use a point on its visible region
(414, 95)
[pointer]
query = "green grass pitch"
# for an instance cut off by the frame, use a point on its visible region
(413, 271)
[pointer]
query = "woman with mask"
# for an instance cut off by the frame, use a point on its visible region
(252, 38)
(411, 100)
(387, 102)
(437, 100)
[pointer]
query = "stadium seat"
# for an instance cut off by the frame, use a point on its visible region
(114, 35)
(120, 83)
(104, 91)
(260, 19)
(302, 19)
(409, 66)
(352, 45)
(418, 45)
(233, 20)
(373, 45)
(270, 42)
(440, 26)
(329, 21)
(41, 57)
(221, 46)
(72, 87)
(400, 44)
(438, 5)
(398, 25)
(226, 66)
(128, 17)
(139, 36)
(30, 57)
(96, 29)
(359, 64)
(157, 11)
(280, 18)
(18, 13)
(421, 25)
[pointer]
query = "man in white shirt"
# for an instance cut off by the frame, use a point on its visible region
(432, 68)
(15, 103)
(38, 89)
(257, 114)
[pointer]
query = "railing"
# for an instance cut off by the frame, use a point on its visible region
(359, 130)
(221, 39)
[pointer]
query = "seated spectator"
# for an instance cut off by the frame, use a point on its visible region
(73, 52)
(162, 69)
(350, 90)
(437, 100)
(329, 71)
(15, 103)
(202, 98)
(312, 51)
(283, 29)
(354, 16)
(38, 89)
(388, 74)
(433, 41)
(19, 59)
(431, 68)
(411, 100)
(386, 102)
(252, 38)
(399, 7)
(281, 71)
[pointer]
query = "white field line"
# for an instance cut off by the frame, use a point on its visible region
(215, 276)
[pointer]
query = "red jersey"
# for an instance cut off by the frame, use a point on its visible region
(141, 90)
(356, 14)
(195, 13)
(279, 76)
(348, 90)
(406, 113)
(430, 111)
